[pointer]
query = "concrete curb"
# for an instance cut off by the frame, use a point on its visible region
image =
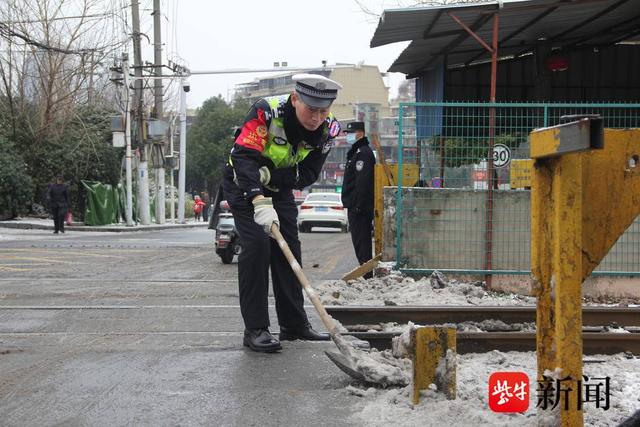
(107, 228)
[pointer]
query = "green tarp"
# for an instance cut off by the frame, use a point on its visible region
(103, 203)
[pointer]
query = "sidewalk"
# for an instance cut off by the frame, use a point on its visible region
(31, 223)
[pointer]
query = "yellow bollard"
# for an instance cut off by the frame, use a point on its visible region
(581, 203)
(434, 360)
(410, 176)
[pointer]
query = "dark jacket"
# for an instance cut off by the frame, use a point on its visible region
(58, 196)
(247, 152)
(357, 187)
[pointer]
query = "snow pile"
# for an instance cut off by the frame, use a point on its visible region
(382, 407)
(396, 289)
(381, 367)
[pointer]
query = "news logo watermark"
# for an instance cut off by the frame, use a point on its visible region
(509, 392)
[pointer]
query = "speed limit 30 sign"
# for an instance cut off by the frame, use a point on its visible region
(501, 155)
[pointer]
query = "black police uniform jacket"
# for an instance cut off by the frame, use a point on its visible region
(357, 187)
(249, 152)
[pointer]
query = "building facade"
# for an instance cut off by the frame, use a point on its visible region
(362, 84)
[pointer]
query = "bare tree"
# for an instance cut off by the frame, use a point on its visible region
(373, 13)
(53, 57)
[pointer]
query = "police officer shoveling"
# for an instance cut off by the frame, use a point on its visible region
(282, 145)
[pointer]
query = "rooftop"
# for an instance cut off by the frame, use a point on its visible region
(523, 24)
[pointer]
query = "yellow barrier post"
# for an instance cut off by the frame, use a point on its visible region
(582, 200)
(434, 360)
(410, 174)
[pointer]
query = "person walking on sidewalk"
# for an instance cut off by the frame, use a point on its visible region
(281, 146)
(58, 200)
(357, 191)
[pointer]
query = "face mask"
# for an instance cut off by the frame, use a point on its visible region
(351, 138)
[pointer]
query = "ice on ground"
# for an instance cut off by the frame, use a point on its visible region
(397, 289)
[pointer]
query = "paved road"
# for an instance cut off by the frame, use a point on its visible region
(144, 328)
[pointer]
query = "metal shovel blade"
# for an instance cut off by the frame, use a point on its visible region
(345, 364)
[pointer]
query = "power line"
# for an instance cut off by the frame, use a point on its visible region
(7, 32)
(61, 18)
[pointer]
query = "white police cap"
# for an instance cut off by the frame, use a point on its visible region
(315, 90)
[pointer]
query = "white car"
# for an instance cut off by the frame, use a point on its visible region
(322, 210)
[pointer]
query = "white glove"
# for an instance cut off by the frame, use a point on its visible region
(264, 214)
(265, 177)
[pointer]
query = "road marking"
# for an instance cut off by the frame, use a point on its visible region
(77, 279)
(49, 249)
(64, 253)
(90, 254)
(24, 263)
(14, 269)
(115, 307)
(50, 260)
(214, 333)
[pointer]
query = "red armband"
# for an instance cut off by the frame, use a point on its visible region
(254, 133)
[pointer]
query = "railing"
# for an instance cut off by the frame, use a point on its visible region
(473, 213)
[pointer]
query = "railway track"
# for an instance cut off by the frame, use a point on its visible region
(596, 320)
(427, 315)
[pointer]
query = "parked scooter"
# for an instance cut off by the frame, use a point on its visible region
(227, 239)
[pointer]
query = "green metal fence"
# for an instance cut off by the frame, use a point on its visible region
(470, 217)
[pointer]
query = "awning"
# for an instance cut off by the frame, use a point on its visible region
(562, 24)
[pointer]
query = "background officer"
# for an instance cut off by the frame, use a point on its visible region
(281, 146)
(357, 191)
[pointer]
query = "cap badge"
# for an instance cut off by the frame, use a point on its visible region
(334, 129)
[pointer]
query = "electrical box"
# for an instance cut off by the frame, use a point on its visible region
(172, 162)
(157, 128)
(118, 139)
(117, 124)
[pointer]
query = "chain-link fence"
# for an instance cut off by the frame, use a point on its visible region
(472, 213)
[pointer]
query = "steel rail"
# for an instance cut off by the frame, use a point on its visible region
(428, 315)
(482, 342)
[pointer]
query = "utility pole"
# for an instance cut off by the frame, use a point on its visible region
(184, 88)
(159, 148)
(173, 195)
(127, 139)
(143, 176)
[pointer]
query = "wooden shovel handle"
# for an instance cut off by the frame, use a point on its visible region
(327, 320)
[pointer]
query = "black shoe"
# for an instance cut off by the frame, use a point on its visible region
(261, 340)
(305, 332)
(55, 232)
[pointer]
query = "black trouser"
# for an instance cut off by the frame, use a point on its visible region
(58, 218)
(361, 228)
(259, 251)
